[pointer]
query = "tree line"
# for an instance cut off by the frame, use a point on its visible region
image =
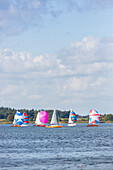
(8, 114)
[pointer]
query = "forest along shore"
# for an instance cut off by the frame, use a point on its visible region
(7, 116)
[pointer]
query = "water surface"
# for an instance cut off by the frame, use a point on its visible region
(68, 148)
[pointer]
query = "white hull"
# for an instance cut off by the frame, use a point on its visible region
(24, 125)
(72, 124)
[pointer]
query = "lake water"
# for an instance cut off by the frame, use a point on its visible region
(67, 148)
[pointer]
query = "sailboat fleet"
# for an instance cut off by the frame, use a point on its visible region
(42, 118)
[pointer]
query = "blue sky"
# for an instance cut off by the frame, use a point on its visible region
(57, 54)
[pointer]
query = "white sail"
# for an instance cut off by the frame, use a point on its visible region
(54, 118)
(70, 121)
(14, 121)
(37, 120)
(72, 118)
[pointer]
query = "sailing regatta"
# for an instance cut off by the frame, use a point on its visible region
(54, 123)
(42, 118)
(72, 118)
(18, 119)
(93, 118)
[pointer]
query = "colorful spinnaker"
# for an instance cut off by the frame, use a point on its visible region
(72, 118)
(25, 119)
(93, 118)
(18, 119)
(41, 119)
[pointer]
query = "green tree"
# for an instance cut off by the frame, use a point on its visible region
(35, 115)
(108, 117)
(10, 117)
(31, 119)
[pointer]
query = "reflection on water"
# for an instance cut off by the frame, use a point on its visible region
(77, 147)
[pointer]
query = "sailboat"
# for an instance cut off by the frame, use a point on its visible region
(38, 122)
(18, 119)
(25, 120)
(93, 118)
(72, 118)
(54, 123)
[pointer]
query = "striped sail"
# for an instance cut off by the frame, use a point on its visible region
(93, 117)
(72, 117)
(25, 119)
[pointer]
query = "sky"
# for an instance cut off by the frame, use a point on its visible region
(57, 55)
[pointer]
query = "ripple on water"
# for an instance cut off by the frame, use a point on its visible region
(77, 147)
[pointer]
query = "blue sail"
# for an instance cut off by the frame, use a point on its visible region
(18, 119)
(73, 116)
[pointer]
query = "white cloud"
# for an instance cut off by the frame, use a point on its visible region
(98, 82)
(35, 97)
(81, 73)
(38, 59)
(9, 89)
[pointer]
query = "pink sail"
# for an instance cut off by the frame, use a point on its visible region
(43, 117)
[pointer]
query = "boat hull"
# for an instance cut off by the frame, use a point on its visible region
(24, 125)
(92, 125)
(16, 126)
(40, 125)
(54, 126)
(72, 124)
